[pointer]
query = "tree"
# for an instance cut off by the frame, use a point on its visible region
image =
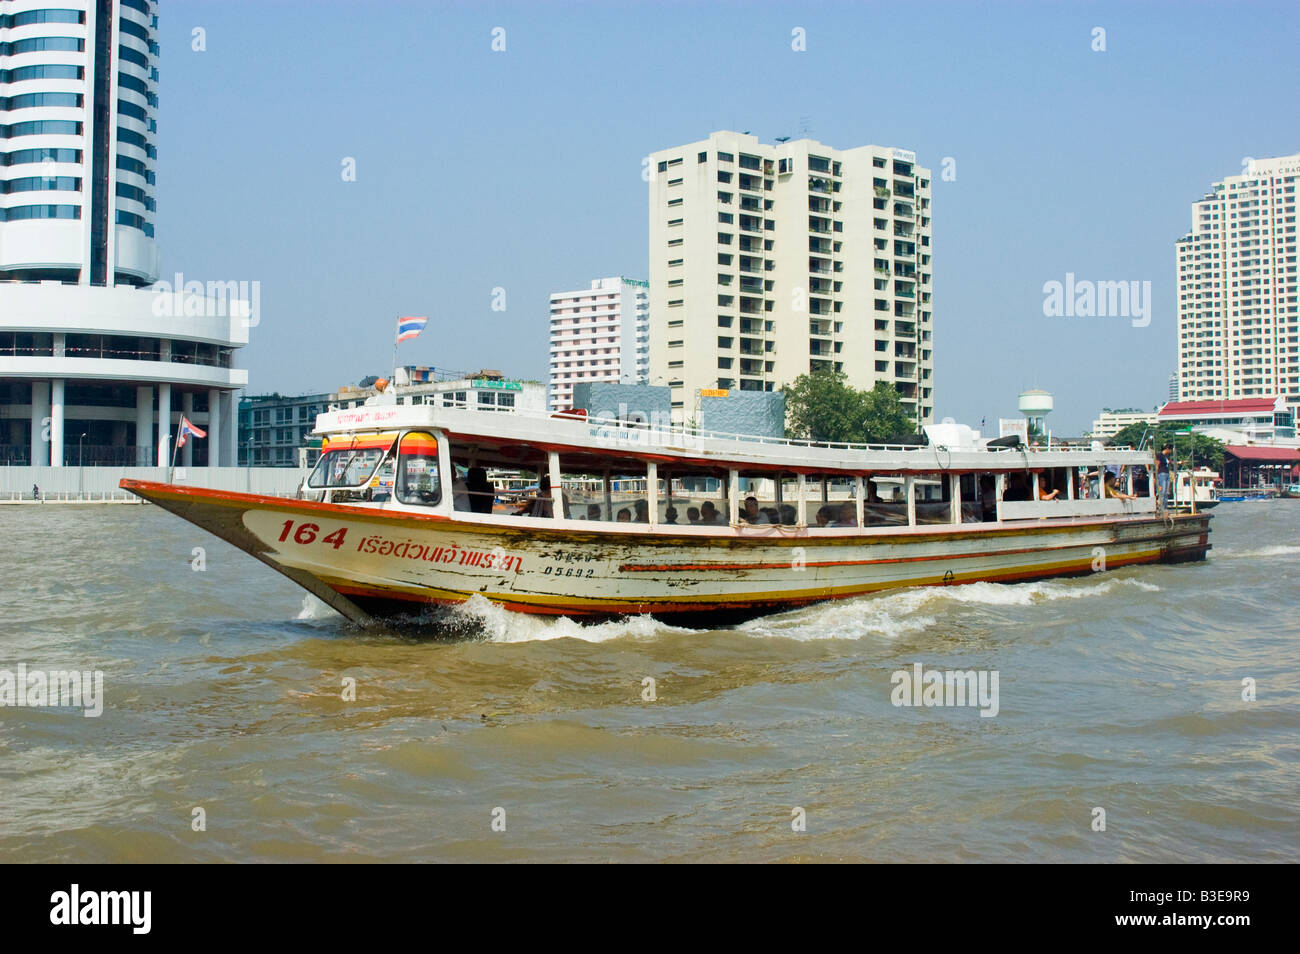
(824, 407)
(1197, 447)
(887, 422)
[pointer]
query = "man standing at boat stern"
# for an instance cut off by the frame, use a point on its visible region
(1163, 460)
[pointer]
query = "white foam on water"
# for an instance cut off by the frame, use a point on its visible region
(314, 608)
(891, 615)
(503, 626)
(1280, 550)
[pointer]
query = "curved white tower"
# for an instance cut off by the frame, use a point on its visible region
(87, 358)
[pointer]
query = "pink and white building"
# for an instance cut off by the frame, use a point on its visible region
(601, 333)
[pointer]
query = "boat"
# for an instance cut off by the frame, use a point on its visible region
(697, 528)
(1290, 491)
(1247, 494)
(1204, 481)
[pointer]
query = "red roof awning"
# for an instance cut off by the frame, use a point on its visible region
(1245, 406)
(1285, 454)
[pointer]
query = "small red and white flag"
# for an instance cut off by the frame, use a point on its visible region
(408, 328)
(186, 429)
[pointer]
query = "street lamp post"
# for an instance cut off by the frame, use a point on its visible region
(248, 472)
(80, 469)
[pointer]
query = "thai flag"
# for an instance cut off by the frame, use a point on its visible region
(186, 429)
(410, 328)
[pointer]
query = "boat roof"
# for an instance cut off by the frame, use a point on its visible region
(518, 437)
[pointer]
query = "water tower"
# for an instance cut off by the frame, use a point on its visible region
(1035, 405)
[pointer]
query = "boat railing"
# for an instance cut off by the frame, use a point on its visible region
(666, 432)
(658, 430)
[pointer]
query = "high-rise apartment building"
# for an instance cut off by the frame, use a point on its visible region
(94, 367)
(599, 333)
(771, 261)
(1238, 290)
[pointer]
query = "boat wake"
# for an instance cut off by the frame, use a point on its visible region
(1279, 550)
(315, 609)
(894, 615)
(888, 615)
(493, 623)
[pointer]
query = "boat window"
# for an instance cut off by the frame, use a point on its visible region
(979, 498)
(697, 495)
(933, 495)
(350, 462)
(529, 494)
(1019, 486)
(418, 481)
(763, 499)
(886, 501)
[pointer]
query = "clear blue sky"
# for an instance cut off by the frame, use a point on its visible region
(522, 169)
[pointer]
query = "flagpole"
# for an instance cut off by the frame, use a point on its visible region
(397, 334)
(175, 448)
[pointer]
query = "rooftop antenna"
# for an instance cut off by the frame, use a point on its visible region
(805, 126)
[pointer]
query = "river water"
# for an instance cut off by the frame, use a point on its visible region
(223, 691)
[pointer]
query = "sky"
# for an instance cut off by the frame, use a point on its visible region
(520, 169)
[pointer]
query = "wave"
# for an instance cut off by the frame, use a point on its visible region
(889, 615)
(1279, 550)
(314, 608)
(494, 623)
(896, 614)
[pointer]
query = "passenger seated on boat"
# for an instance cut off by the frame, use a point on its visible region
(1044, 481)
(481, 492)
(1112, 491)
(459, 492)
(752, 514)
(789, 515)
(670, 515)
(642, 511)
(824, 514)
(709, 515)
(988, 498)
(692, 515)
(848, 516)
(593, 511)
(542, 506)
(625, 516)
